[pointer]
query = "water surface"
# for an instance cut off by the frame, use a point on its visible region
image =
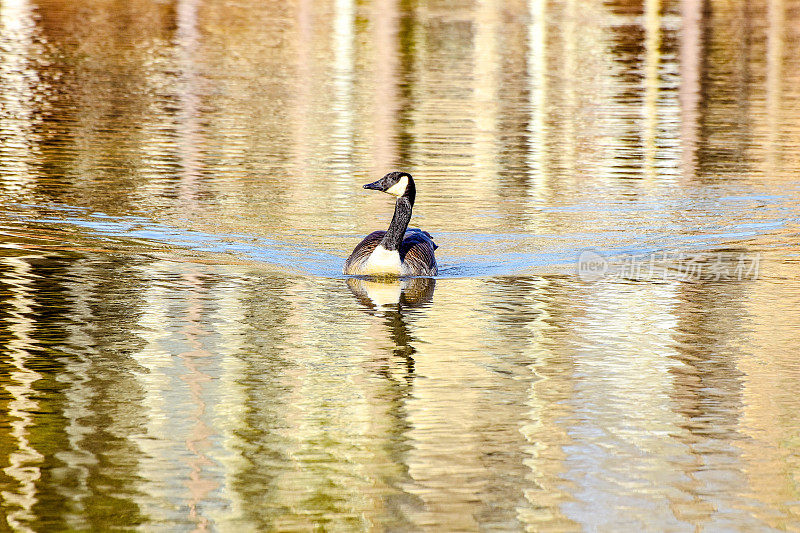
(180, 183)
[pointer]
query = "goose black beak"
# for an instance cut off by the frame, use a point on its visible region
(375, 185)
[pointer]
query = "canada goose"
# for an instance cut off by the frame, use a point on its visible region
(398, 251)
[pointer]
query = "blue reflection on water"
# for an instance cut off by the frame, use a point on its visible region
(509, 256)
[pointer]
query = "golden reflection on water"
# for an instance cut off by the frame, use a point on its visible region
(149, 382)
(20, 464)
(267, 402)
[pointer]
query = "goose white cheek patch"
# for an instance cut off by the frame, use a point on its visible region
(398, 188)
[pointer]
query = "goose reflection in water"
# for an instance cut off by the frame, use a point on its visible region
(392, 299)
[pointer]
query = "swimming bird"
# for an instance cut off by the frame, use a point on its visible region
(400, 250)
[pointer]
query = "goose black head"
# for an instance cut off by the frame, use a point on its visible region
(399, 184)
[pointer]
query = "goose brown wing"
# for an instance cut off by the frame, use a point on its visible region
(361, 252)
(416, 253)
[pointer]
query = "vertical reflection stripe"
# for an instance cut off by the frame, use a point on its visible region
(24, 460)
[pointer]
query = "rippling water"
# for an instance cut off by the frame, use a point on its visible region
(610, 345)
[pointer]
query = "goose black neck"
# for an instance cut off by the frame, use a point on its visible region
(397, 229)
